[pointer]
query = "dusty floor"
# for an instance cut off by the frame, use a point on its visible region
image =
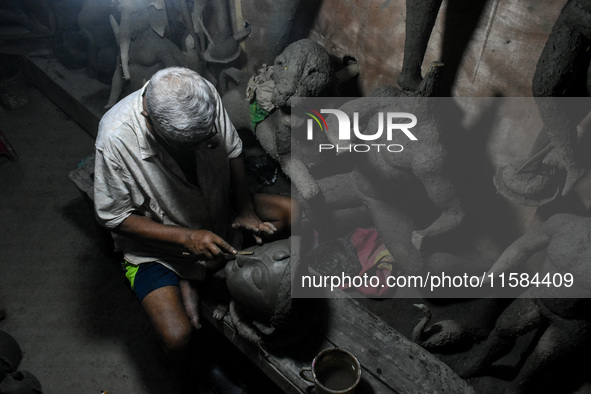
(80, 328)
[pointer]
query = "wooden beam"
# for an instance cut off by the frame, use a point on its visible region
(391, 363)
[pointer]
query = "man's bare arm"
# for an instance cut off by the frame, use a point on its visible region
(199, 242)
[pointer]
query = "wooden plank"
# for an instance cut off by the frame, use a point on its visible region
(281, 366)
(282, 371)
(391, 363)
(387, 355)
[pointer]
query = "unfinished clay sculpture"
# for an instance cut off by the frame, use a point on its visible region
(384, 178)
(143, 47)
(10, 354)
(93, 21)
(420, 18)
(303, 69)
(68, 43)
(20, 382)
(262, 309)
(555, 162)
(223, 45)
(281, 22)
(441, 336)
(564, 324)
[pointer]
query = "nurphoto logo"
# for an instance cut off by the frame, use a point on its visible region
(389, 123)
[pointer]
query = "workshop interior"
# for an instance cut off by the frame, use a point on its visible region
(487, 187)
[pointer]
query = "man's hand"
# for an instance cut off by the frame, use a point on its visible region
(249, 220)
(207, 244)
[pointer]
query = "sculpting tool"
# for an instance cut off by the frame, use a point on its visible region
(244, 253)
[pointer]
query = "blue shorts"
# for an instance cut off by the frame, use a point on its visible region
(147, 277)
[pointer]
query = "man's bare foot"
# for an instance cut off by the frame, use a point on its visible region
(191, 301)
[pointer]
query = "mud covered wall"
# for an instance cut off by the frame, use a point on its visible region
(490, 47)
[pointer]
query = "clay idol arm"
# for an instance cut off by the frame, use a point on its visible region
(247, 217)
(520, 251)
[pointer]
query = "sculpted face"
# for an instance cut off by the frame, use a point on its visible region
(254, 280)
(303, 69)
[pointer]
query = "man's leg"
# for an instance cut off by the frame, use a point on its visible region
(158, 290)
(166, 311)
(160, 294)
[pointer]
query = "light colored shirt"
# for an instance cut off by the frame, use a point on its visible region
(134, 174)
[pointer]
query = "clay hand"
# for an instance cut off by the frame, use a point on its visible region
(251, 222)
(208, 244)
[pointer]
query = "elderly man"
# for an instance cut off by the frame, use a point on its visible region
(170, 184)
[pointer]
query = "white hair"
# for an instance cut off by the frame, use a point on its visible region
(181, 103)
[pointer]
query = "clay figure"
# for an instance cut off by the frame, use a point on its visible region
(20, 382)
(444, 335)
(223, 44)
(383, 178)
(93, 21)
(460, 21)
(564, 324)
(561, 71)
(255, 280)
(68, 43)
(260, 286)
(142, 25)
(26, 14)
(420, 17)
(281, 24)
(303, 69)
(10, 354)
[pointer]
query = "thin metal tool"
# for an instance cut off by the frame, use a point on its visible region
(244, 253)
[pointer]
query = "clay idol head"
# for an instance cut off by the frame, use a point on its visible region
(262, 309)
(260, 284)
